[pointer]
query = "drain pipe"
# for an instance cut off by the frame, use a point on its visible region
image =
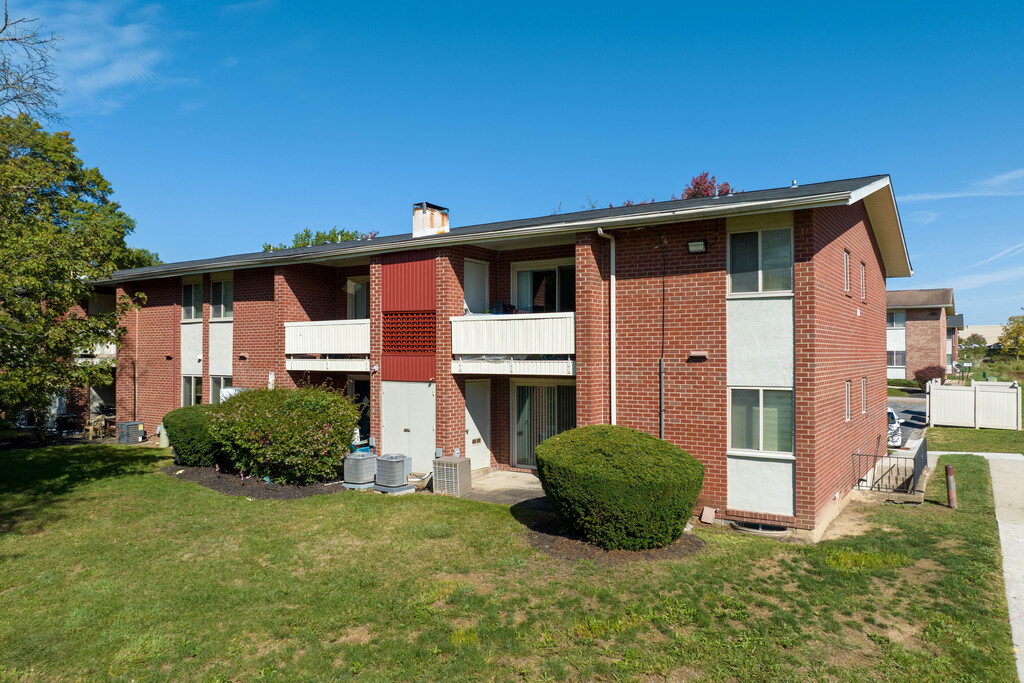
(611, 322)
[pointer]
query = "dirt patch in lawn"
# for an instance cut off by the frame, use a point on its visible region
(853, 520)
(233, 485)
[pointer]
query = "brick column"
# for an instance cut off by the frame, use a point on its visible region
(450, 392)
(592, 351)
(376, 340)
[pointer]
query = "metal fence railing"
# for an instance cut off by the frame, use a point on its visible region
(896, 472)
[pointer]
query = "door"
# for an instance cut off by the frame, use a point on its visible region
(540, 413)
(478, 423)
(475, 285)
(407, 422)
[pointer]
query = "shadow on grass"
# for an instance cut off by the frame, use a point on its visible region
(536, 514)
(34, 480)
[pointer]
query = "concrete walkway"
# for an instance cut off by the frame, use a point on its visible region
(507, 488)
(1008, 489)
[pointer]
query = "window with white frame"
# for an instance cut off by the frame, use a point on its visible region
(863, 281)
(192, 301)
(191, 390)
(896, 359)
(222, 299)
(863, 395)
(216, 384)
(544, 287)
(896, 319)
(846, 270)
(358, 292)
(761, 261)
(847, 400)
(761, 420)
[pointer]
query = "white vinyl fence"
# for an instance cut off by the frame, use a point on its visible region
(991, 405)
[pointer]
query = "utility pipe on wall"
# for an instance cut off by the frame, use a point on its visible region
(611, 323)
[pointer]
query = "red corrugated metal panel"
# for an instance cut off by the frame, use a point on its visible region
(407, 282)
(407, 367)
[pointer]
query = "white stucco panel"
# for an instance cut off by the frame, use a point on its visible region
(761, 485)
(221, 345)
(191, 348)
(759, 342)
(895, 339)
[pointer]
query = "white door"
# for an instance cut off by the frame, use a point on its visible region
(478, 423)
(475, 285)
(407, 422)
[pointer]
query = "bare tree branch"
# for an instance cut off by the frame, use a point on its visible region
(27, 77)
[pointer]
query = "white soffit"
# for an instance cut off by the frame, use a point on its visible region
(885, 221)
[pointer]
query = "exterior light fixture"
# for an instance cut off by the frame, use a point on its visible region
(697, 246)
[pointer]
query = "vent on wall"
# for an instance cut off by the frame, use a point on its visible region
(412, 333)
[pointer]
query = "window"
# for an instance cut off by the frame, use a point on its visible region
(761, 420)
(358, 289)
(896, 359)
(216, 384)
(761, 261)
(896, 319)
(863, 395)
(191, 390)
(847, 400)
(192, 301)
(545, 289)
(949, 359)
(222, 298)
(540, 412)
(846, 271)
(863, 281)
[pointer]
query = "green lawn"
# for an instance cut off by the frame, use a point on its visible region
(894, 392)
(110, 570)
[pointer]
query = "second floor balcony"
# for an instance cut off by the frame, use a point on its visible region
(519, 344)
(328, 345)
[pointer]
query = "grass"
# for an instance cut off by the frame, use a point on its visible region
(110, 570)
(893, 392)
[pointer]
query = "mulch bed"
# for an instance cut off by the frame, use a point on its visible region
(232, 484)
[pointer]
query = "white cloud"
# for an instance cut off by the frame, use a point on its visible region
(1012, 251)
(965, 282)
(1009, 184)
(110, 48)
(923, 217)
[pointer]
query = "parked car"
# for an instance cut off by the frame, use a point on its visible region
(895, 433)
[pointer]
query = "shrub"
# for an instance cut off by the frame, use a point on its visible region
(902, 383)
(188, 431)
(927, 374)
(296, 436)
(620, 488)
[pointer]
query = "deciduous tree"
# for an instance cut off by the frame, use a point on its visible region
(59, 231)
(973, 346)
(308, 238)
(1012, 338)
(27, 78)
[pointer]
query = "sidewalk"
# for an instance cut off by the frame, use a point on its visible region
(1008, 489)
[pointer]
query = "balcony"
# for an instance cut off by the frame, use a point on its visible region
(97, 353)
(521, 344)
(328, 346)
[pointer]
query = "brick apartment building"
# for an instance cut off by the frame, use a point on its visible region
(747, 329)
(922, 329)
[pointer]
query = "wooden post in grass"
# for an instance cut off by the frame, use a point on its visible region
(950, 487)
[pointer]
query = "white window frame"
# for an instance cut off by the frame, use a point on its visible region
(863, 395)
(863, 281)
(545, 264)
(888, 351)
(760, 453)
(847, 400)
(350, 301)
(760, 293)
(846, 270)
(213, 308)
(218, 382)
(894, 312)
(197, 315)
(189, 381)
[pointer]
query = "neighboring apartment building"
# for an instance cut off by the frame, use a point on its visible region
(918, 333)
(747, 329)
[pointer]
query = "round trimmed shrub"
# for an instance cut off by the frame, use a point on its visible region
(295, 436)
(619, 488)
(188, 431)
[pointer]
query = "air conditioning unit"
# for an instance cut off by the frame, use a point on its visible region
(129, 432)
(452, 476)
(360, 470)
(393, 472)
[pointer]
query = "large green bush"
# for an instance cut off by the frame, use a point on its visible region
(296, 436)
(188, 431)
(620, 488)
(903, 383)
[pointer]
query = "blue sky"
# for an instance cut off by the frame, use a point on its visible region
(225, 125)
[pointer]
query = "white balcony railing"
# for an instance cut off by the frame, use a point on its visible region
(328, 338)
(497, 344)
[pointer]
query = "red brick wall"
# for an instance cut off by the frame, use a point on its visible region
(838, 337)
(376, 350)
(926, 338)
(593, 402)
(151, 342)
(258, 332)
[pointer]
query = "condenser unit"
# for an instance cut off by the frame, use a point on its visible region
(452, 476)
(360, 470)
(129, 432)
(393, 472)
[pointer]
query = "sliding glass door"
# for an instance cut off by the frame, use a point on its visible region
(541, 411)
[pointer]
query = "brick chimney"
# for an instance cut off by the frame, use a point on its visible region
(428, 219)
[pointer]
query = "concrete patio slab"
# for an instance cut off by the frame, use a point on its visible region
(506, 488)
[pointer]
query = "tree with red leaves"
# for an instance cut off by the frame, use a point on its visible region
(704, 185)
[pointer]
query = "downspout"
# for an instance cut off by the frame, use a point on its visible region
(661, 360)
(611, 323)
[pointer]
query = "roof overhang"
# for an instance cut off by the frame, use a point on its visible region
(880, 204)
